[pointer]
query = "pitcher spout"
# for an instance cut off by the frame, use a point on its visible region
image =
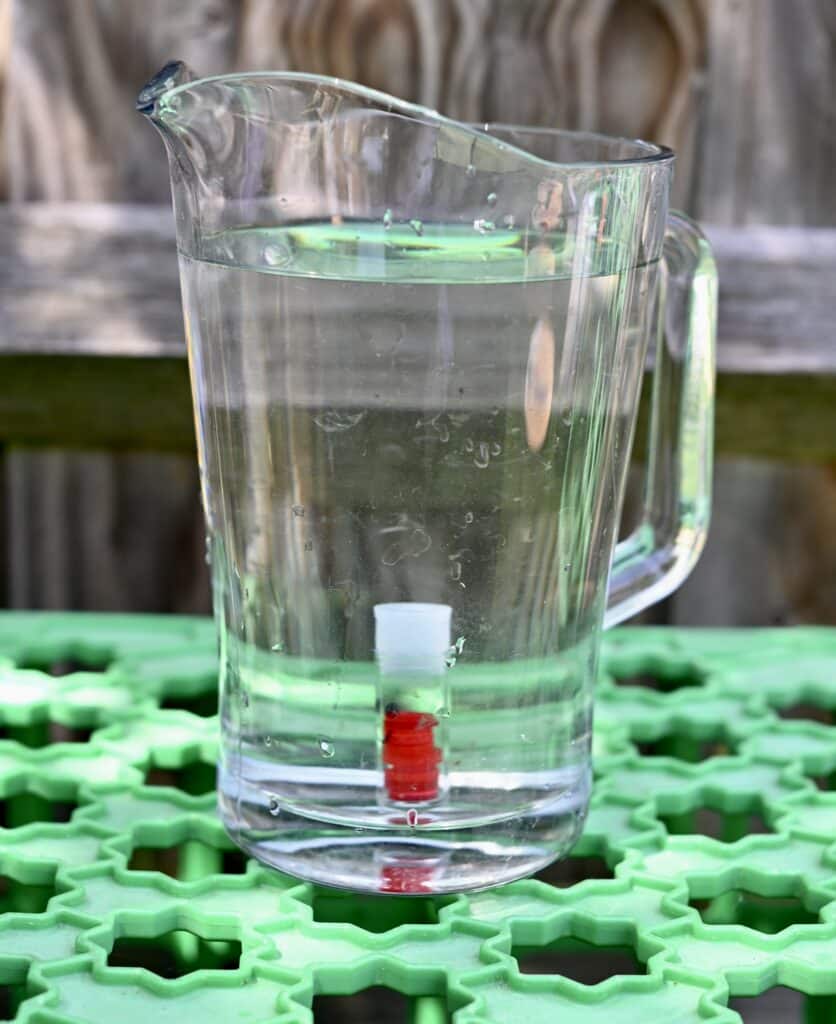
(168, 77)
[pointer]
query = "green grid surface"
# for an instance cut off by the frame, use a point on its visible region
(713, 814)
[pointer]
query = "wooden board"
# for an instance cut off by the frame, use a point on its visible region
(745, 91)
(91, 344)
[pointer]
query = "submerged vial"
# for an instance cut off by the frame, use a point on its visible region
(412, 640)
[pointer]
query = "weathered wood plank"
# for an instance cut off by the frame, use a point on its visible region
(80, 278)
(144, 403)
(91, 344)
(768, 145)
(777, 303)
(765, 151)
(89, 278)
(743, 91)
(95, 401)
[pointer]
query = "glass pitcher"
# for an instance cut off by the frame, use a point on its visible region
(416, 352)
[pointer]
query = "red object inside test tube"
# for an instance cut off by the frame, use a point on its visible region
(409, 880)
(410, 756)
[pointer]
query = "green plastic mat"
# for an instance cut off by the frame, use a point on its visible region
(707, 870)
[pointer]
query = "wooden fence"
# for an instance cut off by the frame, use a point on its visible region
(90, 339)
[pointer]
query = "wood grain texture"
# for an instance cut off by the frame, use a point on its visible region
(768, 141)
(631, 67)
(60, 261)
(73, 73)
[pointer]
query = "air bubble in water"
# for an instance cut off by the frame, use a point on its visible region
(482, 459)
(508, 220)
(491, 199)
(417, 226)
(387, 219)
(276, 255)
(277, 647)
(268, 740)
(412, 817)
(326, 748)
(455, 652)
(273, 806)
(483, 226)
(468, 517)
(470, 170)
(245, 700)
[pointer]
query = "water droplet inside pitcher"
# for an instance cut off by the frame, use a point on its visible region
(387, 219)
(470, 170)
(491, 199)
(468, 517)
(483, 226)
(455, 652)
(483, 457)
(268, 740)
(277, 255)
(326, 748)
(417, 226)
(273, 806)
(412, 817)
(277, 647)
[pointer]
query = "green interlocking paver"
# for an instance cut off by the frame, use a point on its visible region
(72, 890)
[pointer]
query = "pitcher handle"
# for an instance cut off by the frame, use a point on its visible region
(660, 553)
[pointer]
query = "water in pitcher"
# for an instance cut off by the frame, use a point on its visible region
(429, 455)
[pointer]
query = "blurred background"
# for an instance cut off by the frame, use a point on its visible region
(98, 487)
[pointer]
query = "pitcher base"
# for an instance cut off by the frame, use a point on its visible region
(403, 861)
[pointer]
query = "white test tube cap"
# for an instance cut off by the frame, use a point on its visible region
(412, 637)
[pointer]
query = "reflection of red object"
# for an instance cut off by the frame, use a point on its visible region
(413, 879)
(410, 756)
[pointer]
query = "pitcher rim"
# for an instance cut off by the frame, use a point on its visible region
(160, 88)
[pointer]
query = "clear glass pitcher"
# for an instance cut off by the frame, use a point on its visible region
(416, 352)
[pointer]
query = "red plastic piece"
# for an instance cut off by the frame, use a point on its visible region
(407, 880)
(410, 756)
